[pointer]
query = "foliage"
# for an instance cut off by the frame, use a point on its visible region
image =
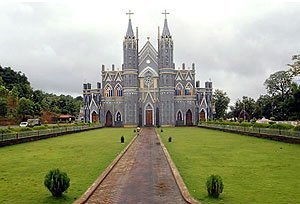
(214, 185)
(251, 124)
(297, 128)
(16, 80)
(221, 101)
(295, 67)
(26, 108)
(20, 129)
(3, 106)
(57, 182)
(244, 108)
(281, 126)
(18, 101)
(279, 84)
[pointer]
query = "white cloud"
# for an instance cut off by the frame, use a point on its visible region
(238, 44)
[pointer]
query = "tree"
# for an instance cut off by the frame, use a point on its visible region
(263, 107)
(25, 108)
(279, 84)
(295, 67)
(3, 107)
(11, 79)
(221, 101)
(293, 103)
(243, 108)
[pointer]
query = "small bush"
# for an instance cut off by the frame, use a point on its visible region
(57, 182)
(282, 126)
(5, 130)
(214, 186)
(297, 128)
(272, 118)
(41, 127)
(261, 125)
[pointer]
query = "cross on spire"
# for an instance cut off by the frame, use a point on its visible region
(129, 13)
(165, 13)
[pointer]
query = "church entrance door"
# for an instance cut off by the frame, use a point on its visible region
(149, 119)
(108, 119)
(189, 120)
(94, 117)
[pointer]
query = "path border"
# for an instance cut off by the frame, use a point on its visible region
(179, 181)
(88, 193)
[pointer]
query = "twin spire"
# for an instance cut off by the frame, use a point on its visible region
(165, 32)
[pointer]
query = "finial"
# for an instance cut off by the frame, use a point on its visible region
(129, 13)
(165, 13)
(148, 38)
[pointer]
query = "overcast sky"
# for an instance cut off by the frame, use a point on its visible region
(236, 44)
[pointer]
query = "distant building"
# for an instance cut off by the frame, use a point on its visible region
(148, 90)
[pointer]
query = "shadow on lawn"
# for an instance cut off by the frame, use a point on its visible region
(62, 199)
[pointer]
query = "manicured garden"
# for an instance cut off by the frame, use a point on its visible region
(253, 170)
(83, 156)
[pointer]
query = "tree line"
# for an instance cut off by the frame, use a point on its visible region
(282, 101)
(18, 101)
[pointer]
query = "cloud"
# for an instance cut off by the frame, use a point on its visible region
(236, 44)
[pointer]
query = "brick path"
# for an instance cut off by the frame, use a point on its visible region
(142, 175)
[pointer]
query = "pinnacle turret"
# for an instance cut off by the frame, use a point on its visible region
(129, 32)
(165, 32)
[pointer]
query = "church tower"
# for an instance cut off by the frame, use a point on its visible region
(167, 75)
(130, 75)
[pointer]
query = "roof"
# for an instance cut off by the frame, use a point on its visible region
(129, 32)
(66, 116)
(166, 31)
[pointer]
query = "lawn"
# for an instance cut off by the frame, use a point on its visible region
(83, 156)
(253, 170)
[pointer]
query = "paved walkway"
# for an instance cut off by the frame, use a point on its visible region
(142, 175)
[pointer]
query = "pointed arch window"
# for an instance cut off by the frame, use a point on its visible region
(179, 116)
(179, 89)
(119, 117)
(118, 90)
(108, 91)
(188, 89)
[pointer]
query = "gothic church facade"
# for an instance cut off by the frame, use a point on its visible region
(148, 90)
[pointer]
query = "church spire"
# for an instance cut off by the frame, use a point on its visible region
(129, 32)
(166, 31)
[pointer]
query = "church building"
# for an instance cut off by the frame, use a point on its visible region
(147, 90)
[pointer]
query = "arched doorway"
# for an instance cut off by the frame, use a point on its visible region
(95, 118)
(202, 115)
(179, 118)
(189, 120)
(149, 115)
(108, 119)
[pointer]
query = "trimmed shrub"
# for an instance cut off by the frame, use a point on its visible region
(21, 129)
(41, 127)
(261, 125)
(282, 126)
(246, 124)
(5, 130)
(57, 182)
(297, 128)
(214, 186)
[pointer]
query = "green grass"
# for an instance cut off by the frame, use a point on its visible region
(83, 156)
(253, 170)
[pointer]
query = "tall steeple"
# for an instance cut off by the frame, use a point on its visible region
(165, 46)
(166, 31)
(130, 47)
(129, 32)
